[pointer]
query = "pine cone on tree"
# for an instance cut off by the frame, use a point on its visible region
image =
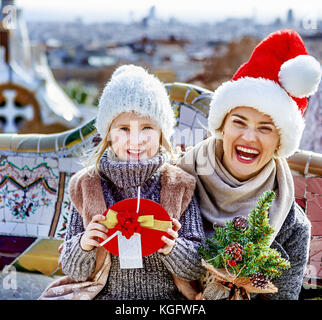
(259, 280)
(240, 223)
(235, 250)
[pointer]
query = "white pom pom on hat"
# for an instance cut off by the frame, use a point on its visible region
(132, 88)
(276, 80)
(300, 76)
(127, 68)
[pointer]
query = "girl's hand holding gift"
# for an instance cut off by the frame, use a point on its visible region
(94, 229)
(170, 242)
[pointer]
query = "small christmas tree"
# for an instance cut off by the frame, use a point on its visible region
(242, 246)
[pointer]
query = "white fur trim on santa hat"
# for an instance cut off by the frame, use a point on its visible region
(300, 76)
(131, 88)
(266, 96)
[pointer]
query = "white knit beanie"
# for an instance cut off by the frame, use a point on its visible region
(132, 88)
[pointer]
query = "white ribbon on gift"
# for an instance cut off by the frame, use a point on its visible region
(130, 250)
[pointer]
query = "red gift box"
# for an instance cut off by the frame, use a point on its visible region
(151, 219)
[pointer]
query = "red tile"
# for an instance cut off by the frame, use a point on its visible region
(314, 185)
(301, 203)
(316, 229)
(317, 256)
(299, 184)
(314, 269)
(310, 196)
(314, 207)
(315, 246)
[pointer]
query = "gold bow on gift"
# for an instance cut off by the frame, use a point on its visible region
(147, 221)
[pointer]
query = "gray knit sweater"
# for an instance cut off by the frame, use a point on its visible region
(154, 281)
(293, 242)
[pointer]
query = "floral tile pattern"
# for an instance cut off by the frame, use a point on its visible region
(28, 193)
(64, 212)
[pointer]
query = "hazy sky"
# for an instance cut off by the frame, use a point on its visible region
(194, 10)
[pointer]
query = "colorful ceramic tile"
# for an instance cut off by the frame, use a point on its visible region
(6, 228)
(28, 193)
(20, 229)
(31, 229)
(187, 116)
(65, 164)
(183, 135)
(76, 165)
(43, 230)
(65, 209)
(41, 256)
(201, 121)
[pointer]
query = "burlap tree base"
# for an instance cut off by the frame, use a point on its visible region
(221, 284)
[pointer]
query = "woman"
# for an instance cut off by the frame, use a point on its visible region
(256, 122)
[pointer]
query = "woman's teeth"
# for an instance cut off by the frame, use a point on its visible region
(245, 158)
(247, 150)
(246, 154)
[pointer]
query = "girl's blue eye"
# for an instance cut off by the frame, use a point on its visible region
(147, 128)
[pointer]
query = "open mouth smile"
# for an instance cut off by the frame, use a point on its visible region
(246, 154)
(136, 154)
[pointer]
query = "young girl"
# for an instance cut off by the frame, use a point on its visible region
(135, 121)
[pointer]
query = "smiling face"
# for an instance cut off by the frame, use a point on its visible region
(250, 139)
(134, 137)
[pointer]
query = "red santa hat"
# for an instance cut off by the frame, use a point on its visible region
(276, 80)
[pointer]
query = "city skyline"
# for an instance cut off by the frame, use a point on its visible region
(201, 11)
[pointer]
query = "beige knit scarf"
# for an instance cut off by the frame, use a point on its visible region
(222, 197)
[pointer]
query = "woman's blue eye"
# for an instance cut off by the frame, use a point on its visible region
(147, 128)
